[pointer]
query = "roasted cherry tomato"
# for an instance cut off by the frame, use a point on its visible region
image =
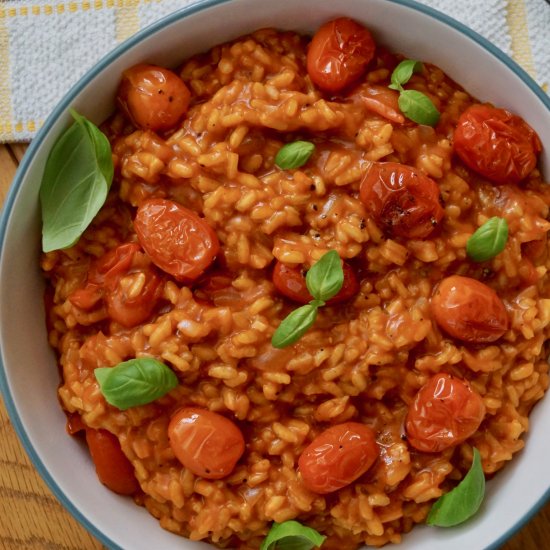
(337, 457)
(154, 98)
(205, 442)
(445, 412)
(339, 54)
(496, 143)
(469, 310)
(133, 299)
(291, 282)
(127, 282)
(176, 239)
(402, 200)
(113, 468)
(104, 272)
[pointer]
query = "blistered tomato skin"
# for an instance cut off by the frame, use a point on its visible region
(445, 412)
(496, 144)
(206, 443)
(153, 97)
(291, 282)
(177, 240)
(339, 54)
(337, 457)
(469, 310)
(402, 200)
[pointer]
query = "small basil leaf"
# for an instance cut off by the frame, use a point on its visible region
(292, 535)
(294, 326)
(135, 382)
(463, 501)
(75, 183)
(418, 107)
(293, 155)
(403, 72)
(488, 240)
(326, 277)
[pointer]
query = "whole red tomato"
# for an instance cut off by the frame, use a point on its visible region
(339, 54)
(291, 282)
(337, 457)
(401, 199)
(496, 143)
(112, 466)
(153, 97)
(176, 239)
(206, 443)
(445, 412)
(127, 283)
(469, 310)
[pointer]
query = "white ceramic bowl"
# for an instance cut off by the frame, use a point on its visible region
(29, 376)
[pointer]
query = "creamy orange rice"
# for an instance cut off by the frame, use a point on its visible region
(363, 360)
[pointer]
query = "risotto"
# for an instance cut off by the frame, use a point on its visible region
(234, 176)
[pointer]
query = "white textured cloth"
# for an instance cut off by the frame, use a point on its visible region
(46, 45)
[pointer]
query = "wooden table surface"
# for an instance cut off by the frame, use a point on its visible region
(31, 518)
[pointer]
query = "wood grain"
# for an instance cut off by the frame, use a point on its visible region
(31, 518)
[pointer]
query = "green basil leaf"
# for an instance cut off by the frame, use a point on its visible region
(101, 145)
(488, 240)
(403, 72)
(418, 107)
(135, 382)
(293, 155)
(292, 535)
(326, 277)
(75, 183)
(463, 501)
(294, 325)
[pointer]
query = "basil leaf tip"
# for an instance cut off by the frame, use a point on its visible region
(323, 280)
(293, 155)
(488, 241)
(135, 382)
(292, 535)
(463, 501)
(76, 180)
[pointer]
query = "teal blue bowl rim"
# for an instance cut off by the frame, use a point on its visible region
(66, 102)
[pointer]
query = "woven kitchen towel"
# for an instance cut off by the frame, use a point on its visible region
(46, 45)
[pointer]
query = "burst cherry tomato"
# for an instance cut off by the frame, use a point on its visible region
(291, 282)
(127, 283)
(337, 457)
(205, 442)
(496, 144)
(113, 468)
(104, 272)
(176, 239)
(153, 97)
(445, 412)
(469, 310)
(339, 54)
(402, 200)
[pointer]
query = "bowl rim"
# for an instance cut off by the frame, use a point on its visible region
(63, 105)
